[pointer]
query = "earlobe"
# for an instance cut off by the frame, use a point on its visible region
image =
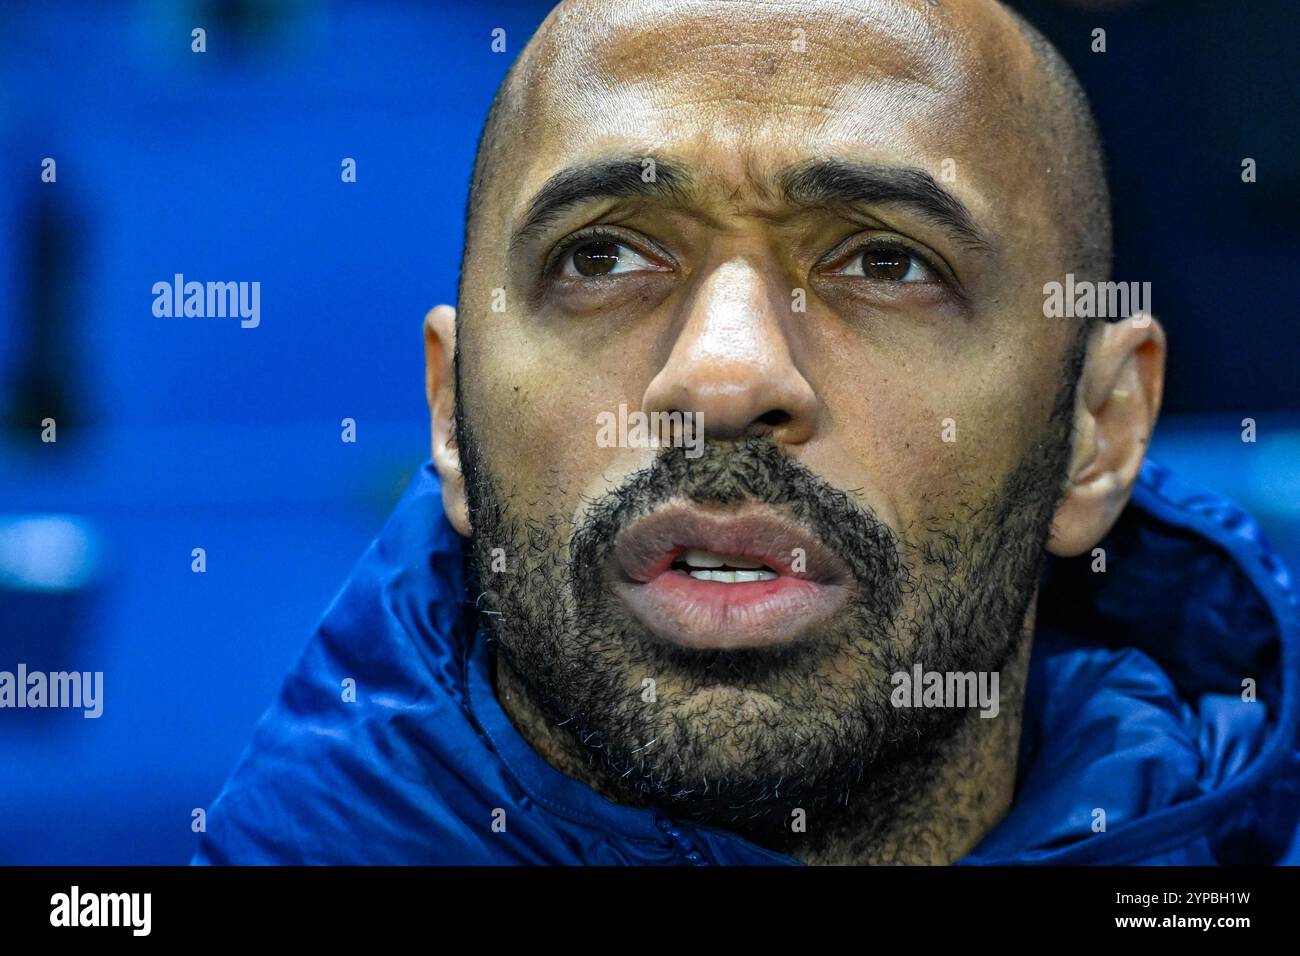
(440, 391)
(1119, 400)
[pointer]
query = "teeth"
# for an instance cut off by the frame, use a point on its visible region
(733, 577)
(710, 559)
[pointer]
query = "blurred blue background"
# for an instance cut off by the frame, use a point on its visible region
(180, 434)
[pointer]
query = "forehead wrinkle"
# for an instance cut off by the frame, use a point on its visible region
(611, 47)
(601, 116)
(602, 75)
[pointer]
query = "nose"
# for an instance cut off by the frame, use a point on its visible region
(732, 361)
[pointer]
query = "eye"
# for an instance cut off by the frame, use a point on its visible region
(888, 264)
(601, 256)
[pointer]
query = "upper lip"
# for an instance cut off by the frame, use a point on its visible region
(650, 544)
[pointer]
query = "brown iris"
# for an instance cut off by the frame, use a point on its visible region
(885, 265)
(595, 258)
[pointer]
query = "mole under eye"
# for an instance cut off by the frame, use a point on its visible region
(601, 257)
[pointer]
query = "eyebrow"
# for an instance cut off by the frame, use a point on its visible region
(618, 178)
(824, 182)
(830, 182)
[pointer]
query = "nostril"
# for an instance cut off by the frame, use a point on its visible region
(775, 418)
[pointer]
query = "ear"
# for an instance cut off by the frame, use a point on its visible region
(440, 390)
(1116, 406)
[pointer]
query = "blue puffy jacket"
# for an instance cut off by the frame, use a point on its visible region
(1135, 706)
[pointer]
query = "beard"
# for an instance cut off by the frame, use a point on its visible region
(740, 738)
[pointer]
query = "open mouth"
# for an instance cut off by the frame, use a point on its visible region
(711, 579)
(723, 568)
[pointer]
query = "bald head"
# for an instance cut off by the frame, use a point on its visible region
(1057, 119)
(1070, 124)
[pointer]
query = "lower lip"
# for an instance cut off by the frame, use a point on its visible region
(711, 615)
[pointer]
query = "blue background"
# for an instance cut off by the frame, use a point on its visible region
(176, 434)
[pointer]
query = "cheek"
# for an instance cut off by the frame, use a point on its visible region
(921, 438)
(538, 420)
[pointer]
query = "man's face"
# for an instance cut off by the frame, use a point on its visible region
(879, 390)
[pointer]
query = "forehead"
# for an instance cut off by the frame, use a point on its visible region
(745, 85)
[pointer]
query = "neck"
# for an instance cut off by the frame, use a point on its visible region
(932, 806)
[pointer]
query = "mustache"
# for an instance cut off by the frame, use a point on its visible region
(750, 469)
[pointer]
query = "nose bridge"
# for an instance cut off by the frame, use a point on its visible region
(730, 319)
(732, 360)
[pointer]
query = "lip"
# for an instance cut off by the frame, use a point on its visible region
(711, 615)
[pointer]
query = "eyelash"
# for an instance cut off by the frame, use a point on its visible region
(579, 239)
(880, 244)
(886, 244)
